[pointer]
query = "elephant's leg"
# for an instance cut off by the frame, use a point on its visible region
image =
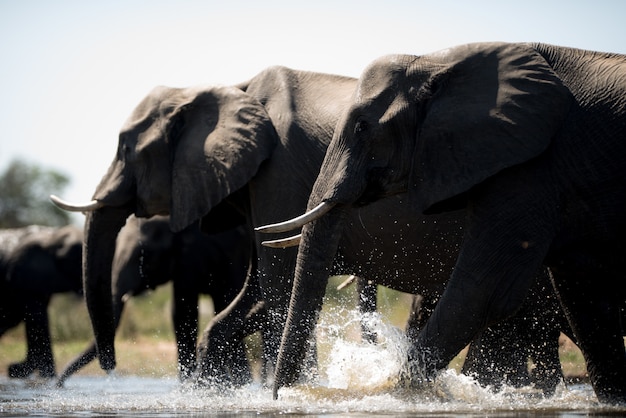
(544, 352)
(78, 363)
(367, 292)
(497, 357)
(226, 331)
(422, 307)
(185, 319)
(495, 268)
(39, 352)
(595, 320)
(547, 321)
(501, 353)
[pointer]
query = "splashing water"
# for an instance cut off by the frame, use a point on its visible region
(360, 365)
(355, 379)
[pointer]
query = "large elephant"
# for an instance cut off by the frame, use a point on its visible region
(35, 263)
(148, 254)
(529, 139)
(257, 146)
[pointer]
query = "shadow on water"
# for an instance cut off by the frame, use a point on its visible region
(355, 379)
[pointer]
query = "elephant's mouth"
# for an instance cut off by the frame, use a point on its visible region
(147, 208)
(142, 211)
(381, 183)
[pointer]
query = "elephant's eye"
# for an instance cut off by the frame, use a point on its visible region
(176, 128)
(360, 127)
(123, 147)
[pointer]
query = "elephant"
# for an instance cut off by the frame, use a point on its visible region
(528, 140)
(35, 263)
(183, 152)
(257, 147)
(148, 255)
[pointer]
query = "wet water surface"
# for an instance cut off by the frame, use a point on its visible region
(454, 395)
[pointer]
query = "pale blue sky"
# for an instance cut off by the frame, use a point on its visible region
(72, 71)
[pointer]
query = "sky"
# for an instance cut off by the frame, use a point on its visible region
(71, 71)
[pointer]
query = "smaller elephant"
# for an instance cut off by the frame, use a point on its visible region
(35, 263)
(148, 255)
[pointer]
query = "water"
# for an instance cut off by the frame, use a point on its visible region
(355, 380)
(121, 396)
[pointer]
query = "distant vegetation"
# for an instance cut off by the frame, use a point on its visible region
(24, 191)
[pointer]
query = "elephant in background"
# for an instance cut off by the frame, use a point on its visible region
(35, 263)
(528, 139)
(258, 147)
(148, 254)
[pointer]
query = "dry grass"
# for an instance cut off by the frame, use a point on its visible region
(143, 357)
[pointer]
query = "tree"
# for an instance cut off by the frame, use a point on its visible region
(24, 191)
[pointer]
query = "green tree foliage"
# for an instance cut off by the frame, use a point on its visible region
(24, 191)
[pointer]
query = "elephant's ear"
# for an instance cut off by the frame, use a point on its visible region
(225, 136)
(494, 106)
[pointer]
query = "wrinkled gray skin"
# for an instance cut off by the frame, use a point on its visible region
(148, 255)
(528, 138)
(257, 146)
(35, 263)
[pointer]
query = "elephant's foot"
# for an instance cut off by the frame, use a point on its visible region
(21, 370)
(496, 377)
(420, 370)
(25, 369)
(546, 380)
(223, 364)
(222, 376)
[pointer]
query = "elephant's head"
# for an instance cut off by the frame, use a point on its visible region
(181, 152)
(434, 126)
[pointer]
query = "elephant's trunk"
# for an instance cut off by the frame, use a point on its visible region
(312, 271)
(101, 230)
(90, 352)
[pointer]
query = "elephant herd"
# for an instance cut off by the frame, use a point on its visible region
(37, 262)
(486, 178)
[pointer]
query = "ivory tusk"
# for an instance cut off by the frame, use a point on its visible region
(298, 222)
(72, 207)
(351, 278)
(283, 242)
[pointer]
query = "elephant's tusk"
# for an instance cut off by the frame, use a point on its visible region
(72, 207)
(351, 278)
(298, 222)
(283, 242)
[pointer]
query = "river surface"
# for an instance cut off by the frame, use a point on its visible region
(122, 396)
(356, 379)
